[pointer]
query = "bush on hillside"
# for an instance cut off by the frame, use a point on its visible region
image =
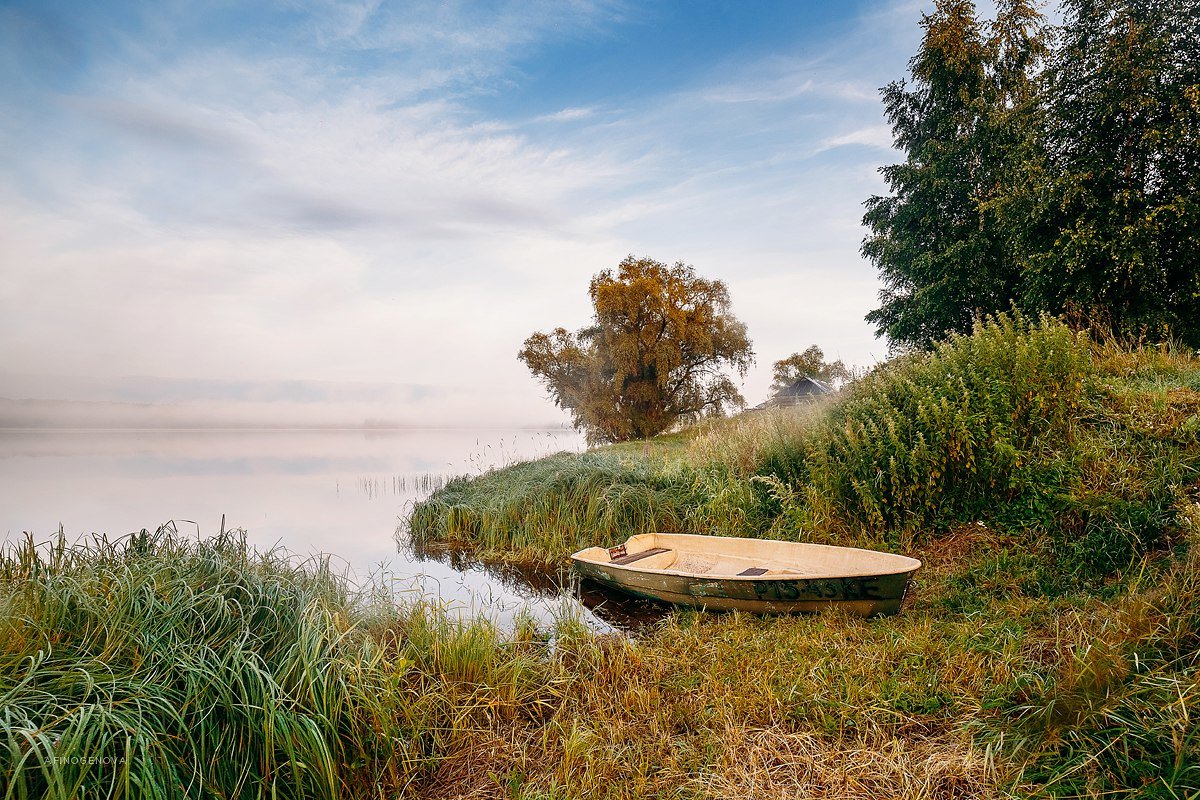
(1016, 426)
(951, 435)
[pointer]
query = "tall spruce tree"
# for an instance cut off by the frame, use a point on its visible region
(1117, 231)
(940, 239)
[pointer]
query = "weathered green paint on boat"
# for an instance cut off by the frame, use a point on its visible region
(757, 575)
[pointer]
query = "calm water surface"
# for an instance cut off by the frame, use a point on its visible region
(344, 493)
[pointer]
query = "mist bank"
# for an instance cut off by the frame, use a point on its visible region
(74, 414)
(81, 401)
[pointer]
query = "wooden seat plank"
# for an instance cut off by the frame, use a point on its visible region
(629, 559)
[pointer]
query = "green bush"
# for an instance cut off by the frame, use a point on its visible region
(954, 435)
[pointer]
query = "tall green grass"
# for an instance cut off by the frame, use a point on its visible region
(539, 510)
(154, 666)
(158, 667)
(1050, 484)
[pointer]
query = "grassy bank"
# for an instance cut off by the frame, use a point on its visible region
(161, 667)
(1048, 481)
(1036, 431)
(1049, 648)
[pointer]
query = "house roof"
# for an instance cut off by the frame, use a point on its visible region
(804, 387)
(795, 393)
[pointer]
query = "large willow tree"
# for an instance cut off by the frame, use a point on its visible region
(655, 353)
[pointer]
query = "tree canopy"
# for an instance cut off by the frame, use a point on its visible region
(938, 239)
(811, 363)
(1055, 170)
(1120, 196)
(654, 355)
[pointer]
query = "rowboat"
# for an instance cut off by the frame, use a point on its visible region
(761, 576)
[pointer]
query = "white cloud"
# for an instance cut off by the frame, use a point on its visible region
(871, 136)
(567, 115)
(264, 219)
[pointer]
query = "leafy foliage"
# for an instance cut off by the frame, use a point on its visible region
(939, 239)
(1057, 174)
(652, 357)
(1118, 234)
(951, 435)
(811, 364)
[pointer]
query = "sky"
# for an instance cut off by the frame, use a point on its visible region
(328, 211)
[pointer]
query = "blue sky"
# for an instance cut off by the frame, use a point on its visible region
(373, 204)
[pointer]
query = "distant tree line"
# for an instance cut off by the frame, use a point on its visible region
(1046, 168)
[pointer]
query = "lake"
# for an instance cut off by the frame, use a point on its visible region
(341, 492)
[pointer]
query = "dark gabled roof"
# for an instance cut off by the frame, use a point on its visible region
(804, 387)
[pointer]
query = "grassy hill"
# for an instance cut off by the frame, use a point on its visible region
(1049, 648)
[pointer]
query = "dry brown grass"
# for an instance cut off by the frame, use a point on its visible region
(1030, 697)
(769, 764)
(739, 443)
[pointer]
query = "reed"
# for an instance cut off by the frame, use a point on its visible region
(538, 510)
(1048, 648)
(158, 666)
(155, 666)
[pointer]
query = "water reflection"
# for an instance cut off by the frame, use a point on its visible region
(340, 493)
(620, 610)
(550, 590)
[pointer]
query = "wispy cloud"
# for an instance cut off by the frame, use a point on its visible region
(879, 136)
(567, 115)
(330, 203)
(184, 128)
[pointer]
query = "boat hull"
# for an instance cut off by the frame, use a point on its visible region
(862, 594)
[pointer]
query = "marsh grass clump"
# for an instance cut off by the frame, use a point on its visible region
(154, 666)
(158, 666)
(538, 510)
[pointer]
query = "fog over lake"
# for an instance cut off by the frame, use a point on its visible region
(341, 492)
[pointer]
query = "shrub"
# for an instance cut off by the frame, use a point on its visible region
(932, 439)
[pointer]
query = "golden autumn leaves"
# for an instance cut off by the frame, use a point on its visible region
(654, 355)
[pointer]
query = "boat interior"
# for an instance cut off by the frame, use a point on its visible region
(739, 558)
(664, 558)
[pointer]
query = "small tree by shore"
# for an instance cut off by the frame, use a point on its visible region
(654, 355)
